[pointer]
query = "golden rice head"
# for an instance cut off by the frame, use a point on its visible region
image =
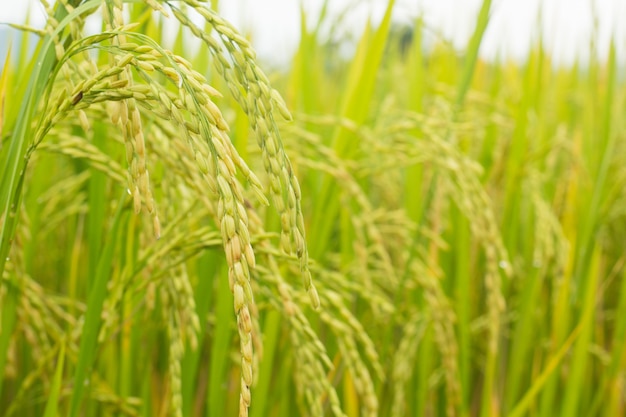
(251, 89)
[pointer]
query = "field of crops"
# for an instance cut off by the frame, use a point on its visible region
(403, 231)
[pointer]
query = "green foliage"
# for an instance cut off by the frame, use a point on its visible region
(465, 220)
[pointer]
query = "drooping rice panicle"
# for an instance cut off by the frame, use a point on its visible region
(250, 87)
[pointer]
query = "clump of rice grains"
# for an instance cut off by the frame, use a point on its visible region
(235, 61)
(128, 116)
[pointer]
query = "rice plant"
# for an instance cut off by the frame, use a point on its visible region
(407, 231)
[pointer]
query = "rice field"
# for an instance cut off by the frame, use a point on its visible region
(404, 231)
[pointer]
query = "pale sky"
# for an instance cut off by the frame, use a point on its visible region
(566, 25)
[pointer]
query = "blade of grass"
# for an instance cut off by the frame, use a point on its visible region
(91, 326)
(302, 83)
(581, 356)
(207, 266)
(608, 397)
(55, 390)
(3, 91)
(586, 275)
(526, 401)
(271, 333)
(424, 371)
(559, 324)
(417, 79)
(617, 365)
(9, 305)
(524, 335)
(355, 106)
(471, 54)
(462, 298)
(96, 201)
(606, 137)
(220, 348)
(8, 320)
